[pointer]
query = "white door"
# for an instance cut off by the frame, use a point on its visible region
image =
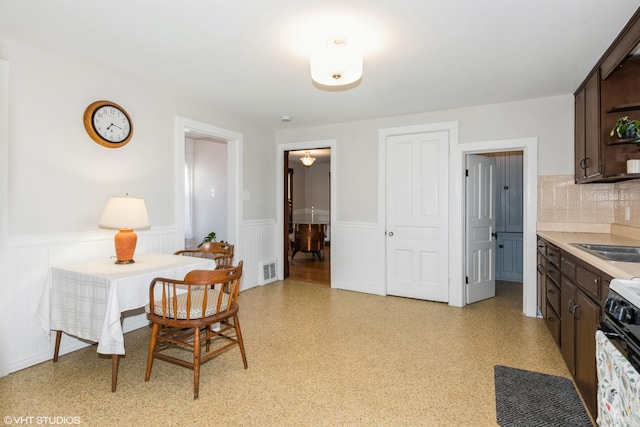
(480, 228)
(417, 167)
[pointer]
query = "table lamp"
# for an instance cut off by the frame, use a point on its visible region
(125, 213)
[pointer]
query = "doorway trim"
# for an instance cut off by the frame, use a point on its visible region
(333, 159)
(4, 216)
(529, 148)
(234, 177)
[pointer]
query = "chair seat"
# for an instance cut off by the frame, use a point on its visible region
(197, 315)
(197, 297)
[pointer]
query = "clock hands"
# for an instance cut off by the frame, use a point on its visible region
(114, 125)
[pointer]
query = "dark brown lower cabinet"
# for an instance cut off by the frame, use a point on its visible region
(578, 303)
(587, 317)
(579, 320)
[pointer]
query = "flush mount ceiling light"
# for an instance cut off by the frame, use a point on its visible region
(307, 160)
(336, 64)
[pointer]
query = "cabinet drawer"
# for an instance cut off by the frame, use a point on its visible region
(553, 323)
(553, 273)
(553, 255)
(568, 267)
(553, 296)
(589, 281)
(542, 247)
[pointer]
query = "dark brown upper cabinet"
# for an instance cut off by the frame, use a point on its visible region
(611, 90)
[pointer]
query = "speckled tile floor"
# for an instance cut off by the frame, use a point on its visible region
(317, 357)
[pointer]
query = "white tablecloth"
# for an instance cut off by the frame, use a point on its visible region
(86, 299)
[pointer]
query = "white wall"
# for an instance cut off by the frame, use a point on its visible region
(548, 119)
(210, 190)
(317, 187)
(59, 180)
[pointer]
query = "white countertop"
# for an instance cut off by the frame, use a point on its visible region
(616, 269)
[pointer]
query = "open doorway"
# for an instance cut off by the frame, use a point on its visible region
(285, 215)
(234, 207)
(529, 148)
(494, 223)
(308, 215)
(206, 195)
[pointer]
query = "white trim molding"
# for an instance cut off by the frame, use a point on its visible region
(529, 147)
(294, 146)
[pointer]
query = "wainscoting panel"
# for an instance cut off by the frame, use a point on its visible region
(357, 257)
(29, 261)
(259, 246)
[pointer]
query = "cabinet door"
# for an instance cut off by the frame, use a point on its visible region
(593, 167)
(568, 304)
(541, 284)
(587, 318)
(580, 127)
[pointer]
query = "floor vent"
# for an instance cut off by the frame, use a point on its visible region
(267, 272)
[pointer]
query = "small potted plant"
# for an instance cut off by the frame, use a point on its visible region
(211, 237)
(624, 128)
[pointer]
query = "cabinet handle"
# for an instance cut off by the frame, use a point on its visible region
(551, 319)
(587, 163)
(551, 291)
(582, 164)
(571, 306)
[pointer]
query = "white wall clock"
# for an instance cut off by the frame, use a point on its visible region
(108, 124)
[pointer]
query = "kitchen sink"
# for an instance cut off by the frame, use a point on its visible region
(611, 252)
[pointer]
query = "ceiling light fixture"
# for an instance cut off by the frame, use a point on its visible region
(307, 160)
(336, 64)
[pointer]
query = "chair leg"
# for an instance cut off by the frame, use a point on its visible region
(56, 349)
(236, 324)
(152, 347)
(196, 362)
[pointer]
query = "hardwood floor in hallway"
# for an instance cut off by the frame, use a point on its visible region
(306, 267)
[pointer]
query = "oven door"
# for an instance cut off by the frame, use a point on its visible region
(618, 382)
(622, 342)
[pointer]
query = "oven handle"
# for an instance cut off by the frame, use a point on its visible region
(611, 334)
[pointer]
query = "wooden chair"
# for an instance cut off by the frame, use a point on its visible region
(221, 252)
(182, 313)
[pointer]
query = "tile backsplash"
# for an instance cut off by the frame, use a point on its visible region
(561, 200)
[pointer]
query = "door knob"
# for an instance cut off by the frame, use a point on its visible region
(390, 234)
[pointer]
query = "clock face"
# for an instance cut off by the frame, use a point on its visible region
(111, 124)
(108, 124)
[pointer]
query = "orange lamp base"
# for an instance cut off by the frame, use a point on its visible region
(125, 241)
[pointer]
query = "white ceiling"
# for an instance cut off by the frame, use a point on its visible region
(250, 55)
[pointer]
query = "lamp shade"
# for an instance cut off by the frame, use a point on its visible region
(124, 212)
(307, 160)
(336, 64)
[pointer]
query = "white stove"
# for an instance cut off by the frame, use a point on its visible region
(620, 320)
(629, 289)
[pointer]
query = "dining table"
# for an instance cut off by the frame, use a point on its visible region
(87, 299)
